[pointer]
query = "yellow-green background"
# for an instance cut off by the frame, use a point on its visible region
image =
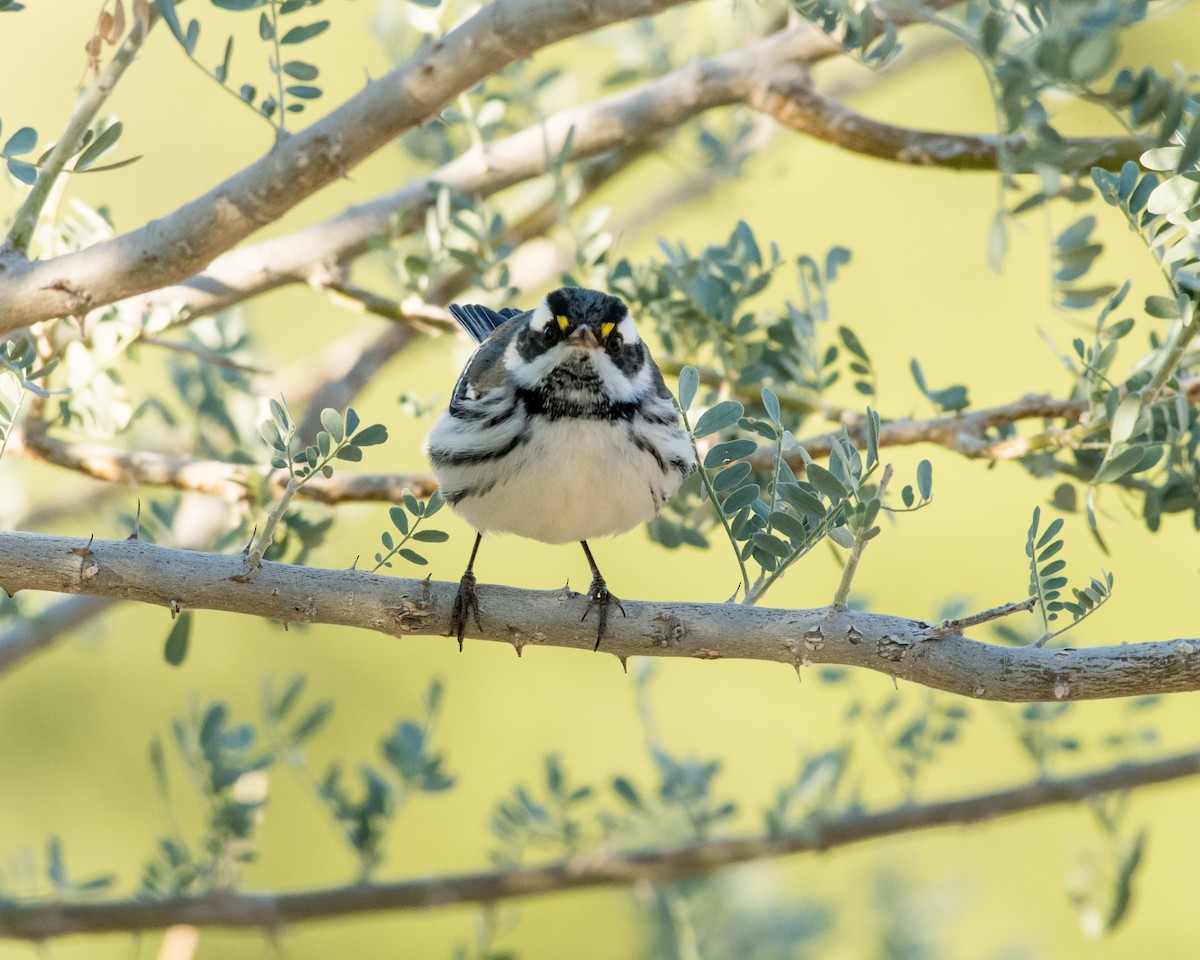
(74, 723)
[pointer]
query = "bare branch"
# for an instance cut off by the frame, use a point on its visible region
(896, 646)
(959, 624)
(40, 921)
(176, 246)
(36, 633)
(790, 99)
(232, 482)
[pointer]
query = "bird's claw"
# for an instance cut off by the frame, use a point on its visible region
(465, 603)
(599, 596)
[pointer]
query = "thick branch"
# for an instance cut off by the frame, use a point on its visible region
(896, 646)
(33, 921)
(314, 254)
(790, 99)
(180, 244)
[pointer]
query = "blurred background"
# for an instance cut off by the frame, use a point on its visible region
(75, 723)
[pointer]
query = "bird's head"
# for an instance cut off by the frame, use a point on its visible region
(581, 335)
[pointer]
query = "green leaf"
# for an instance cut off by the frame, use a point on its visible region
(25, 172)
(731, 476)
(925, 479)
(413, 557)
(689, 381)
(299, 70)
(1191, 148)
(412, 503)
(193, 35)
(772, 545)
(1050, 532)
(175, 650)
(729, 451)
(433, 504)
(724, 415)
(313, 722)
(332, 421)
(21, 142)
(303, 91)
(771, 405)
(399, 518)
(826, 482)
(167, 9)
(222, 71)
(789, 525)
(431, 536)
(301, 34)
(351, 453)
(1164, 308)
(803, 501)
(1125, 419)
(853, 344)
(370, 436)
(741, 497)
(266, 31)
(1120, 465)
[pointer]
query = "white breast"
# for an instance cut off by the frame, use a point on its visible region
(573, 480)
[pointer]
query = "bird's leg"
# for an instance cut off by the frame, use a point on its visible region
(465, 601)
(598, 596)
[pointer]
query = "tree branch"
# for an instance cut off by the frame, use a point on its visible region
(790, 99)
(39, 921)
(175, 247)
(232, 482)
(896, 646)
(316, 254)
(963, 433)
(34, 634)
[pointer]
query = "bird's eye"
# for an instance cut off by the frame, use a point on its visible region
(550, 334)
(614, 344)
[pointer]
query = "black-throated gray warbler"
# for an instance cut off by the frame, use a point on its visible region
(560, 428)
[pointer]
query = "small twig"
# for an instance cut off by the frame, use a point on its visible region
(254, 558)
(208, 356)
(24, 223)
(959, 624)
(856, 551)
(425, 316)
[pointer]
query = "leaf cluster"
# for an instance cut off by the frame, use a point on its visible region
(1047, 580)
(409, 530)
(340, 440)
(295, 80)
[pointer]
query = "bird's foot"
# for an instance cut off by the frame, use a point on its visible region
(465, 603)
(599, 596)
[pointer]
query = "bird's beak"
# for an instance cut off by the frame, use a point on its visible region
(582, 336)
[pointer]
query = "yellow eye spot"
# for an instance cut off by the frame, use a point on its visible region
(563, 323)
(606, 329)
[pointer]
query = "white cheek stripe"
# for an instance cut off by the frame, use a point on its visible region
(541, 317)
(627, 330)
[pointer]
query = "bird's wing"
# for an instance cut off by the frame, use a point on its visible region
(485, 371)
(480, 321)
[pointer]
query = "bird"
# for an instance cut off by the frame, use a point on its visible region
(560, 429)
